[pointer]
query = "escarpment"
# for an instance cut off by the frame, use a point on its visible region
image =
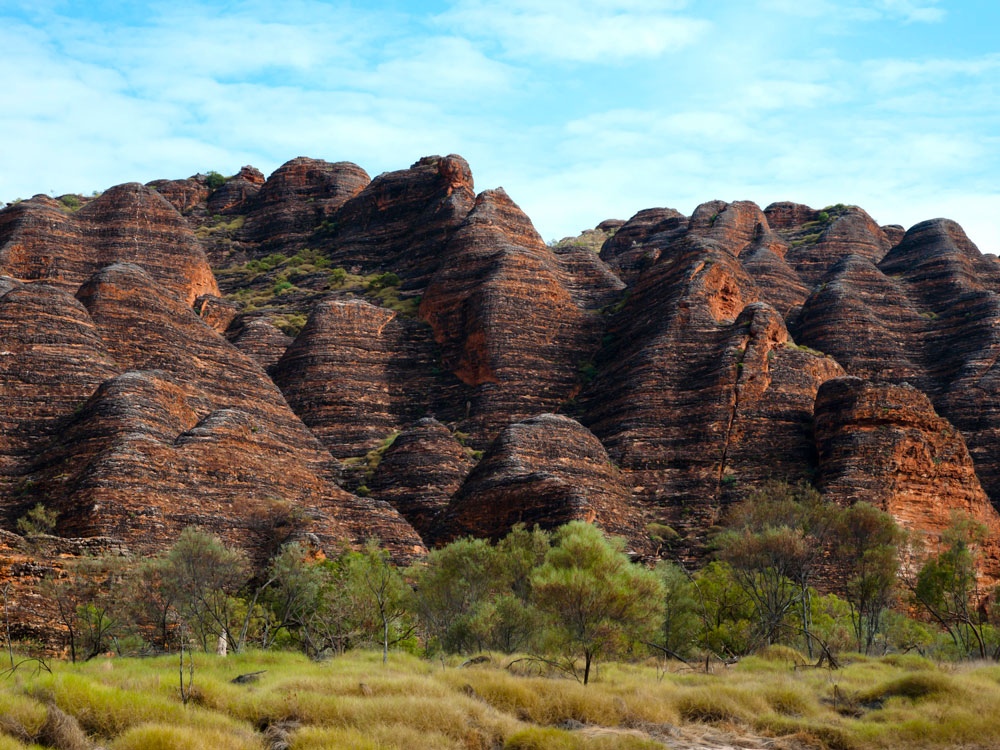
(400, 357)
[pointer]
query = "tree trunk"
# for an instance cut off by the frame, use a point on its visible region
(586, 667)
(385, 639)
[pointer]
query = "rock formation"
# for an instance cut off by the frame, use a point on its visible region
(547, 470)
(403, 358)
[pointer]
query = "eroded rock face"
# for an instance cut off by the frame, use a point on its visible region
(547, 470)
(52, 357)
(236, 194)
(163, 444)
(420, 471)
(262, 341)
(497, 269)
(357, 373)
(402, 220)
(884, 444)
(128, 223)
(300, 195)
(140, 400)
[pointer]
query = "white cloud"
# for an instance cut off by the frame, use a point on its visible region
(838, 12)
(589, 31)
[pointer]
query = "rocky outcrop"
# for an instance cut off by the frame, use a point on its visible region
(298, 197)
(926, 315)
(420, 471)
(128, 223)
(164, 444)
(700, 392)
(632, 248)
(547, 470)
(139, 399)
(52, 357)
(217, 312)
(885, 444)
(497, 268)
(357, 373)
(262, 341)
(402, 220)
(236, 194)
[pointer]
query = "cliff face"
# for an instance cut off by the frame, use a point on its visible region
(403, 358)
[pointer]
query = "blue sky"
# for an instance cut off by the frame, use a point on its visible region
(582, 110)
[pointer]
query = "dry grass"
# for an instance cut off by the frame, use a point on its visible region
(897, 702)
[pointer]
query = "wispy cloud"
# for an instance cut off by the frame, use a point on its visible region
(582, 110)
(578, 31)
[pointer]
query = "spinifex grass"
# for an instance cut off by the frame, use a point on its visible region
(355, 702)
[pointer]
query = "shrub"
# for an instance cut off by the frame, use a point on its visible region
(382, 281)
(214, 180)
(338, 276)
(38, 520)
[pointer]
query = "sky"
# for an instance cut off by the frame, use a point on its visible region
(582, 110)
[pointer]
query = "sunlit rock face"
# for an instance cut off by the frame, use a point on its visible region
(500, 381)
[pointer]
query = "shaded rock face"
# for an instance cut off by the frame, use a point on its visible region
(262, 342)
(701, 391)
(128, 223)
(547, 470)
(927, 315)
(133, 442)
(237, 193)
(356, 373)
(420, 471)
(52, 357)
(633, 247)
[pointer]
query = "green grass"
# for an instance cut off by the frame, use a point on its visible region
(355, 702)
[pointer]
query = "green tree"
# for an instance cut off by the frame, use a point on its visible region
(471, 595)
(214, 180)
(88, 603)
(202, 578)
(869, 543)
(947, 586)
(681, 623)
(378, 587)
(595, 600)
(778, 536)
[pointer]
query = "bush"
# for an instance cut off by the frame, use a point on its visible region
(383, 281)
(214, 180)
(38, 520)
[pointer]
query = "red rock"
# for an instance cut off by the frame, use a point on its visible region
(262, 342)
(402, 220)
(51, 359)
(884, 444)
(547, 470)
(496, 269)
(215, 311)
(632, 248)
(300, 195)
(128, 223)
(236, 194)
(420, 471)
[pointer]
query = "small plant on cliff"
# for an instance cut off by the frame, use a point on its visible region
(38, 520)
(383, 281)
(338, 276)
(214, 180)
(70, 202)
